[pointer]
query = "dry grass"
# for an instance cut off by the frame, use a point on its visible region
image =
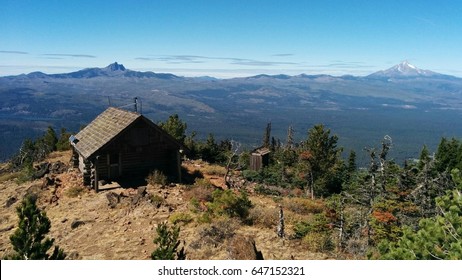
(8, 176)
(200, 191)
(182, 218)
(214, 170)
(303, 206)
(126, 232)
(75, 191)
(266, 217)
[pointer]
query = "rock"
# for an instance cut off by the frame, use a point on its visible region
(42, 169)
(242, 247)
(73, 255)
(58, 167)
(113, 199)
(47, 181)
(54, 199)
(140, 193)
(75, 224)
(12, 200)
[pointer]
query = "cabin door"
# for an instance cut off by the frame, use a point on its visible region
(114, 163)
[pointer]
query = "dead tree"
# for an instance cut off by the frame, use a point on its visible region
(235, 146)
(280, 229)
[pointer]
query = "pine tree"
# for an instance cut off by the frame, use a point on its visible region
(424, 157)
(50, 139)
(29, 242)
(351, 168)
(63, 141)
(175, 127)
(168, 243)
(322, 161)
(438, 237)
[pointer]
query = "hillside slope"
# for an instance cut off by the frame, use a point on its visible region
(86, 227)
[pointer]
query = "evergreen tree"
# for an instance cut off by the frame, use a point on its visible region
(63, 142)
(424, 157)
(448, 155)
(322, 160)
(351, 168)
(175, 127)
(168, 243)
(50, 139)
(439, 237)
(29, 242)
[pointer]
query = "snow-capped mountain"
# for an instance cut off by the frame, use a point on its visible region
(404, 70)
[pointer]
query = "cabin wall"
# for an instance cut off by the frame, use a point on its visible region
(136, 152)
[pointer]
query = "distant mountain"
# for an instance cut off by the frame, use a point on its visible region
(412, 105)
(112, 70)
(406, 70)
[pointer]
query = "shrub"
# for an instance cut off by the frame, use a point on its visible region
(156, 177)
(180, 217)
(268, 190)
(252, 175)
(26, 174)
(199, 194)
(217, 232)
(319, 242)
(157, 200)
(304, 206)
(318, 223)
(203, 182)
(265, 217)
(228, 203)
(215, 170)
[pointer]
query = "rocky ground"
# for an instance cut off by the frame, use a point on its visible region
(87, 226)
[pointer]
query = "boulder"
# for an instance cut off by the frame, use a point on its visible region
(113, 199)
(242, 247)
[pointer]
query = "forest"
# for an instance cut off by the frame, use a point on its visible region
(382, 211)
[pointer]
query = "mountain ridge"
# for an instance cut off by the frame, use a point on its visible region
(401, 70)
(358, 108)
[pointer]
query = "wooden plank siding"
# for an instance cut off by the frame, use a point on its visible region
(140, 149)
(120, 143)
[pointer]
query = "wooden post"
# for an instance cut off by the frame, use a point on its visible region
(87, 172)
(178, 163)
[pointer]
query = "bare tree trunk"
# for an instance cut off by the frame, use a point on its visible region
(280, 229)
(342, 222)
(235, 146)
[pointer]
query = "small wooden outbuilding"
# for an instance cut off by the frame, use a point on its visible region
(123, 144)
(259, 158)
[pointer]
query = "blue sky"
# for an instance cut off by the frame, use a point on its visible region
(230, 38)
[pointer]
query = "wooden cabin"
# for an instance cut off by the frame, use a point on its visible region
(259, 158)
(122, 144)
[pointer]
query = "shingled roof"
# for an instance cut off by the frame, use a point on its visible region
(103, 129)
